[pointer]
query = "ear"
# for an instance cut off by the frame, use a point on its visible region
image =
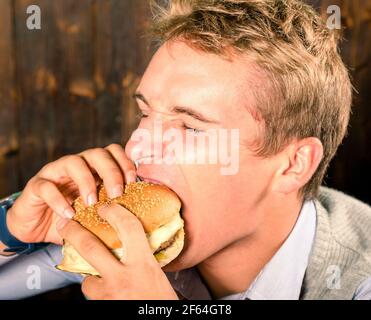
(299, 161)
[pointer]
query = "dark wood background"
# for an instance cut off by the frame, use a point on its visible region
(67, 87)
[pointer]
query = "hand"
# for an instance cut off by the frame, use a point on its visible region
(136, 276)
(48, 196)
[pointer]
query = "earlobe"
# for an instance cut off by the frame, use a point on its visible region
(301, 160)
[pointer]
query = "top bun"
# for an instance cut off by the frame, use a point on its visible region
(154, 205)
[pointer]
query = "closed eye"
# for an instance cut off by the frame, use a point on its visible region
(192, 130)
(142, 114)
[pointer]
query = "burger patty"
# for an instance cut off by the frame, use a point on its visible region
(167, 243)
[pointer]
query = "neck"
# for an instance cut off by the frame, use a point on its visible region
(234, 268)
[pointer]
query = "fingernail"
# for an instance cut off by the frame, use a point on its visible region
(61, 223)
(131, 176)
(117, 191)
(91, 199)
(68, 213)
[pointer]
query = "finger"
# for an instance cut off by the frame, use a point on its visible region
(76, 168)
(89, 247)
(107, 168)
(127, 166)
(49, 192)
(130, 231)
(92, 286)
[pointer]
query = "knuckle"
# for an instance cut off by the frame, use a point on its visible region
(96, 151)
(42, 185)
(46, 167)
(129, 221)
(89, 292)
(129, 166)
(32, 182)
(121, 155)
(88, 244)
(68, 161)
(115, 146)
(114, 172)
(72, 159)
(33, 185)
(64, 158)
(85, 287)
(95, 155)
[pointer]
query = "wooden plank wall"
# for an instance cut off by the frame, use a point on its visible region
(67, 87)
(9, 173)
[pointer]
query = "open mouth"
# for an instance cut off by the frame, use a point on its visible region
(144, 179)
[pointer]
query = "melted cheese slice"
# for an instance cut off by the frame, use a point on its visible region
(164, 233)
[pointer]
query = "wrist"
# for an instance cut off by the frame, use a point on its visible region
(10, 224)
(8, 237)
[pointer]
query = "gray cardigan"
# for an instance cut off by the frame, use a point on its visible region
(342, 243)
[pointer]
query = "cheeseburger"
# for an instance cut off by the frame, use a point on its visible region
(156, 207)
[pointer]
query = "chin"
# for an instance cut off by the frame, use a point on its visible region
(185, 260)
(178, 264)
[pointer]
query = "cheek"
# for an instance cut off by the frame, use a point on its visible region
(256, 178)
(221, 209)
(216, 208)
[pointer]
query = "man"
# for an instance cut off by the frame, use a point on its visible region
(269, 69)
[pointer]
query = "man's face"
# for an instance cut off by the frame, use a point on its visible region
(185, 89)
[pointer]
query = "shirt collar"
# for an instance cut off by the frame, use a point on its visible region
(282, 276)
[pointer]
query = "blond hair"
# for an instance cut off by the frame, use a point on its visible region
(308, 93)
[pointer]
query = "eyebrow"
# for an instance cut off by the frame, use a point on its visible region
(139, 96)
(180, 110)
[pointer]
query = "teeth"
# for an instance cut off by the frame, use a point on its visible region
(151, 181)
(139, 179)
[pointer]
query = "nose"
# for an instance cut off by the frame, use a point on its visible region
(146, 142)
(139, 145)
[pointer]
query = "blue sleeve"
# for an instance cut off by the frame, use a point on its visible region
(11, 199)
(28, 275)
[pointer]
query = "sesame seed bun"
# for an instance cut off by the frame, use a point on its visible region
(156, 207)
